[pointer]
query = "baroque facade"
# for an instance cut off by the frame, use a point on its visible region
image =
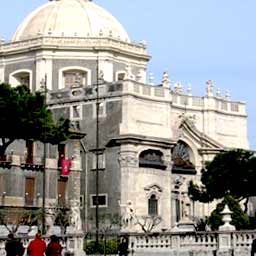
(153, 139)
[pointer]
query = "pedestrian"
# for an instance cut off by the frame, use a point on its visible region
(13, 247)
(54, 248)
(37, 246)
(123, 247)
(253, 249)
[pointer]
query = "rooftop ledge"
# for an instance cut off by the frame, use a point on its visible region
(150, 92)
(75, 42)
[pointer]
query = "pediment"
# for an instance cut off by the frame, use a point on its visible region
(189, 130)
(154, 188)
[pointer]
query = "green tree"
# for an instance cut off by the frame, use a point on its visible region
(239, 219)
(230, 173)
(24, 115)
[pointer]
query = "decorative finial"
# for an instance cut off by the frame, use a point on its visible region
(166, 80)
(226, 213)
(178, 88)
(151, 79)
(227, 95)
(189, 89)
(218, 93)
(209, 88)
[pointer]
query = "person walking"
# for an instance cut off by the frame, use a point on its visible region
(123, 247)
(13, 247)
(54, 248)
(37, 246)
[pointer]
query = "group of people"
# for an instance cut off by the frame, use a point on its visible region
(36, 247)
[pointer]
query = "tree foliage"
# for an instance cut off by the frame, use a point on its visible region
(24, 115)
(12, 218)
(230, 173)
(239, 219)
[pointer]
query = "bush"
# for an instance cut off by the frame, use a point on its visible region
(111, 247)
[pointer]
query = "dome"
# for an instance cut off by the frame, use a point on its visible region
(70, 18)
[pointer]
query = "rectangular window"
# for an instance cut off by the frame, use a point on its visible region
(102, 110)
(61, 192)
(102, 200)
(177, 202)
(152, 206)
(76, 112)
(101, 160)
(29, 191)
(61, 153)
(120, 76)
(81, 201)
(30, 152)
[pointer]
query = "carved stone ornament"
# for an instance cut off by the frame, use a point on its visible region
(153, 190)
(128, 159)
(75, 217)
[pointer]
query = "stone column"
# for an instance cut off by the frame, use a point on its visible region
(75, 243)
(225, 235)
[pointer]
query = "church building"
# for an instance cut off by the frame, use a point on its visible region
(149, 139)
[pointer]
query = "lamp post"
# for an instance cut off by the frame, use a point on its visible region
(97, 154)
(44, 87)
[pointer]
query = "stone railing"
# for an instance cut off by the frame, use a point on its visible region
(72, 244)
(193, 243)
(77, 42)
(158, 93)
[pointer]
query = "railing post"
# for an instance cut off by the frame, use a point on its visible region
(175, 242)
(225, 246)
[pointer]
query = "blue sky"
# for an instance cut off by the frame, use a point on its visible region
(194, 40)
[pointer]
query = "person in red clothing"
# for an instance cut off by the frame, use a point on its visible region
(37, 246)
(54, 248)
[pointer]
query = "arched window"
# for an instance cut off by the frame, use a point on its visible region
(182, 157)
(21, 77)
(152, 205)
(152, 159)
(70, 77)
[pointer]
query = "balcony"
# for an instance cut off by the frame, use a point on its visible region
(33, 163)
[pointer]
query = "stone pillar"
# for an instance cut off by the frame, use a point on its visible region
(225, 235)
(75, 243)
(75, 172)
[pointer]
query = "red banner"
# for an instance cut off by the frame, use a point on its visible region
(65, 167)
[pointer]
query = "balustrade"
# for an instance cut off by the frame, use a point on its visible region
(197, 243)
